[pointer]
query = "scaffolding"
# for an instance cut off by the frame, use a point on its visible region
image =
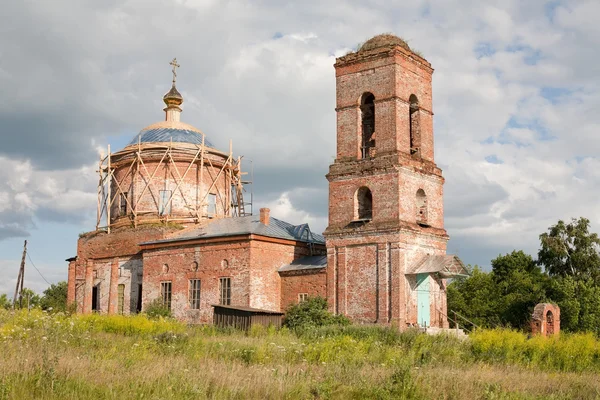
(141, 163)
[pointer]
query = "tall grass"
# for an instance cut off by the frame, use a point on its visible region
(93, 356)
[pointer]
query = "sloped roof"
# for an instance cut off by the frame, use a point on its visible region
(306, 263)
(248, 225)
(446, 265)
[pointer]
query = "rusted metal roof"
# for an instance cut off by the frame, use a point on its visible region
(248, 309)
(306, 263)
(447, 266)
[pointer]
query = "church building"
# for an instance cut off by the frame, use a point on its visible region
(173, 225)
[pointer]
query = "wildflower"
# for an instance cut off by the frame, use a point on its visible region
(136, 344)
(44, 338)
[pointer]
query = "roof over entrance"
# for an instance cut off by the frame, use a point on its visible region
(447, 266)
(306, 263)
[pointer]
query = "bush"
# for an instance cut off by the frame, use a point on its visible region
(312, 313)
(156, 309)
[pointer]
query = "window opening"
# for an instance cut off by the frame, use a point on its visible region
(120, 298)
(165, 292)
(123, 204)
(364, 204)
(225, 285)
(194, 294)
(302, 297)
(212, 205)
(367, 111)
(421, 207)
(96, 298)
(164, 206)
(415, 129)
(138, 306)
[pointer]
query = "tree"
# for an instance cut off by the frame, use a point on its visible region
(521, 285)
(475, 298)
(570, 250)
(29, 299)
(579, 302)
(5, 301)
(55, 297)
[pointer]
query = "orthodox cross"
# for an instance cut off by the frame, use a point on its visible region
(175, 65)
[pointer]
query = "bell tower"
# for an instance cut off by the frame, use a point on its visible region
(385, 191)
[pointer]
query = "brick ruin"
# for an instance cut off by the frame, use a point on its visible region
(545, 320)
(173, 225)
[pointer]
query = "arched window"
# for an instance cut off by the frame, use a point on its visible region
(421, 207)
(367, 111)
(363, 204)
(195, 266)
(415, 129)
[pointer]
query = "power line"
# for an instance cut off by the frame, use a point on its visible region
(31, 261)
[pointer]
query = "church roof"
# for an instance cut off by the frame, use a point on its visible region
(306, 263)
(446, 265)
(167, 131)
(247, 225)
(383, 40)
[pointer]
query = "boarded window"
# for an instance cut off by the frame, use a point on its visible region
(164, 205)
(363, 204)
(194, 294)
(165, 293)
(212, 205)
(415, 129)
(123, 204)
(302, 297)
(120, 298)
(367, 111)
(225, 289)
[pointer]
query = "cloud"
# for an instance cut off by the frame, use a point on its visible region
(514, 98)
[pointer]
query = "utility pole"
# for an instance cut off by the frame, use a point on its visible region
(20, 280)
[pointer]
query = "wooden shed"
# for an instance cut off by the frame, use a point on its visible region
(243, 318)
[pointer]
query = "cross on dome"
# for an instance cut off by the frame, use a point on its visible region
(175, 65)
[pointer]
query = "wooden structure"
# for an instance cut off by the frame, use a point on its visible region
(245, 317)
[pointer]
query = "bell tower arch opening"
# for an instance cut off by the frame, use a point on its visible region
(363, 204)
(367, 114)
(421, 206)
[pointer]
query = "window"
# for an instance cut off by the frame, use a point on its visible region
(363, 204)
(120, 298)
(212, 205)
(96, 298)
(367, 111)
(225, 286)
(123, 204)
(421, 205)
(138, 306)
(415, 130)
(194, 295)
(302, 297)
(164, 205)
(165, 292)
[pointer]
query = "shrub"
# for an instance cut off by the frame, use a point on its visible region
(312, 313)
(156, 309)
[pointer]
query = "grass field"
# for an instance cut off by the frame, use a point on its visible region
(98, 357)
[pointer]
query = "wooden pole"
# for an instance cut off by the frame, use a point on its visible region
(20, 279)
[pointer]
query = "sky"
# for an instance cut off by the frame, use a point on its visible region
(515, 96)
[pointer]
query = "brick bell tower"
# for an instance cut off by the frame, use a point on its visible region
(386, 242)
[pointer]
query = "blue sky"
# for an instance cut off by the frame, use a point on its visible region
(515, 92)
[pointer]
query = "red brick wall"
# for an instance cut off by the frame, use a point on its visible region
(313, 282)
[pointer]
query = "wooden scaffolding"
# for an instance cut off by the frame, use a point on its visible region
(141, 163)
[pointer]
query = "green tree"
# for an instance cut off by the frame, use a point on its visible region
(579, 302)
(55, 297)
(5, 301)
(29, 298)
(570, 250)
(475, 298)
(521, 285)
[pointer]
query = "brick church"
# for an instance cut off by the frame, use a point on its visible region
(174, 224)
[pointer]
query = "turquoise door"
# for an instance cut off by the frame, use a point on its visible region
(423, 299)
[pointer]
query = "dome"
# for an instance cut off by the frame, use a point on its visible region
(173, 97)
(383, 40)
(167, 131)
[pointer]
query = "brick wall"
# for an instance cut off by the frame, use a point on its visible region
(313, 282)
